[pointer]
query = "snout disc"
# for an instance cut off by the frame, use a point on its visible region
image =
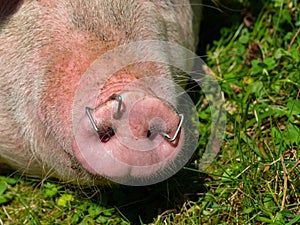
(128, 158)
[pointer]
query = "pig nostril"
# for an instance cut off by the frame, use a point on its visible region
(106, 135)
(152, 133)
(148, 133)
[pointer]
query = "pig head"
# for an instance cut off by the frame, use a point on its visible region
(46, 49)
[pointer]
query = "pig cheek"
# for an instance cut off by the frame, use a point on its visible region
(67, 64)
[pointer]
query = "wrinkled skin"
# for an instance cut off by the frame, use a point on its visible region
(45, 48)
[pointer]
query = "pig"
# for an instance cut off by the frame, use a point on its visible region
(46, 48)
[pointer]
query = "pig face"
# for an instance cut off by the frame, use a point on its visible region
(88, 89)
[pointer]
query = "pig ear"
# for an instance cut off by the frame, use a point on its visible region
(8, 7)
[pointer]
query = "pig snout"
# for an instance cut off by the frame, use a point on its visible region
(132, 134)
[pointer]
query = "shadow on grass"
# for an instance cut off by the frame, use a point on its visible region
(143, 204)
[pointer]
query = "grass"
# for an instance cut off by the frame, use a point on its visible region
(254, 179)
